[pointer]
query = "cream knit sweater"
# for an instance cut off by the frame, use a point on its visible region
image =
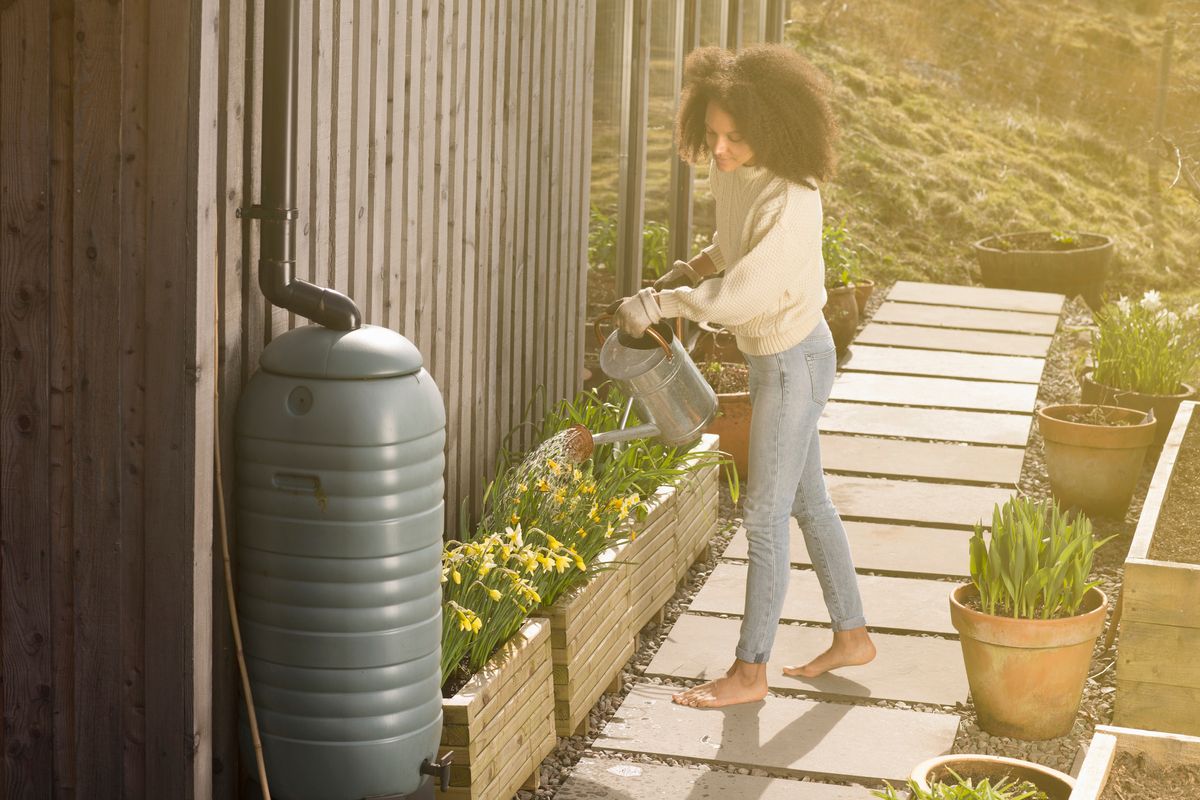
(768, 243)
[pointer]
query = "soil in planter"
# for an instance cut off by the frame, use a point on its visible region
(726, 378)
(1175, 537)
(1097, 416)
(1134, 777)
(458, 679)
(1041, 241)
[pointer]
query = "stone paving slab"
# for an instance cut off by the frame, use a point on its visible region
(980, 319)
(783, 734)
(927, 338)
(909, 390)
(912, 361)
(949, 294)
(611, 779)
(884, 548)
(914, 501)
(938, 424)
(895, 604)
(904, 458)
(912, 669)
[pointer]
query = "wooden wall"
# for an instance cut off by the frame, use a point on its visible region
(107, 203)
(443, 152)
(442, 163)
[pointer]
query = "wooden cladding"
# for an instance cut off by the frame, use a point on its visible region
(443, 152)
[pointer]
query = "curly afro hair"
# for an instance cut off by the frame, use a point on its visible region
(779, 100)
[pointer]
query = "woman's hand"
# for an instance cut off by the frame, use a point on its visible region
(637, 313)
(681, 274)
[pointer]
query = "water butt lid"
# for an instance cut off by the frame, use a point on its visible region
(315, 351)
(624, 357)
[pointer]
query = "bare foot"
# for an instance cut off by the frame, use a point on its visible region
(849, 649)
(743, 683)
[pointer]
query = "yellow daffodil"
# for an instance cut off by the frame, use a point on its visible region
(560, 496)
(577, 476)
(553, 543)
(561, 563)
(494, 594)
(552, 465)
(522, 488)
(542, 486)
(581, 533)
(514, 519)
(608, 533)
(457, 576)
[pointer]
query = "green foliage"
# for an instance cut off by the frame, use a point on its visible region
(843, 265)
(602, 245)
(1145, 347)
(1037, 563)
(967, 789)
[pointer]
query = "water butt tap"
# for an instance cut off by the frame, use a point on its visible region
(663, 384)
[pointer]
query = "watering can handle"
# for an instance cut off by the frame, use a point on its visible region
(607, 315)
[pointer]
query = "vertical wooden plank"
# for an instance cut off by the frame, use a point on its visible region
(179, 347)
(306, 124)
(381, 100)
(255, 313)
(414, 167)
(531, 223)
(230, 151)
(323, 160)
(469, 308)
(397, 223)
(341, 213)
(360, 90)
(26, 665)
(585, 172)
(439, 298)
(61, 380)
(635, 91)
(546, 335)
(682, 174)
(95, 313)
(507, 361)
(426, 134)
(132, 407)
(556, 263)
(491, 96)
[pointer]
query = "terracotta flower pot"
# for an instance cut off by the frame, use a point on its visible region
(841, 312)
(862, 293)
(1036, 267)
(1026, 676)
(714, 343)
(1164, 405)
(732, 424)
(1055, 784)
(1094, 467)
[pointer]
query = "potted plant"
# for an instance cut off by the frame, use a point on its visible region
(1046, 261)
(1141, 354)
(1029, 618)
(1094, 454)
(841, 267)
(731, 382)
(1157, 683)
(965, 776)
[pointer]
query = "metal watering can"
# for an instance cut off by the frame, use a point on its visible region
(662, 383)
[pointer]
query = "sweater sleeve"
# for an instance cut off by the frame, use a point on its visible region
(790, 230)
(713, 251)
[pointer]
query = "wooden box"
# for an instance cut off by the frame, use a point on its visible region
(501, 724)
(1158, 654)
(1164, 750)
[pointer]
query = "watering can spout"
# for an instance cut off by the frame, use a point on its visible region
(581, 442)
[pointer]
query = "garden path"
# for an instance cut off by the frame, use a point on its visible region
(924, 431)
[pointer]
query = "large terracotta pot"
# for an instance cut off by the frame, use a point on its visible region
(863, 287)
(732, 424)
(841, 312)
(714, 343)
(1080, 270)
(1094, 467)
(1057, 785)
(1164, 405)
(1026, 676)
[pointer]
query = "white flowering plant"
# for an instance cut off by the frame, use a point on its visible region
(1144, 346)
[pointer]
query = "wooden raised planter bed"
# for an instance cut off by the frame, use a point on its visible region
(1158, 654)
(1162, 750)
(501, 724)
(594, 627)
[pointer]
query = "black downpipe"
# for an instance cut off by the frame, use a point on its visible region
(277, 213)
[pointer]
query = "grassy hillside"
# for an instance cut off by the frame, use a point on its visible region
(963, 118)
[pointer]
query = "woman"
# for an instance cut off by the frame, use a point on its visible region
(763, 118)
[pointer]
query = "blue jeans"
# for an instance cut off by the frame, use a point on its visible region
(788, 391)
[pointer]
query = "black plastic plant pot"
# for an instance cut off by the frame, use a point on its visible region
(1032, 261)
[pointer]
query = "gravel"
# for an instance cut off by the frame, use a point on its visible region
(1058, 385)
